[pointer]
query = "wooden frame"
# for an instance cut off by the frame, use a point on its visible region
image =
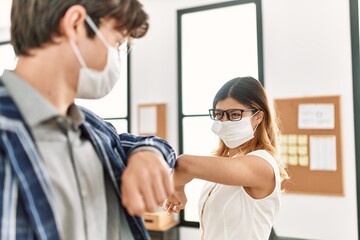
(152, 120)
(302, 178)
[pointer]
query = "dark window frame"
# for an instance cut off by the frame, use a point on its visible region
(4, 43)
(181, 116)
(354, 23)
(128, 78)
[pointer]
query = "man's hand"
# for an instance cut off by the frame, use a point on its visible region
(146, 182)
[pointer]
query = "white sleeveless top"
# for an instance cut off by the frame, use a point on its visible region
(229, 213)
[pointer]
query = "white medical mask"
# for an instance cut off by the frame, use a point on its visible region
(234, 133)
(94, 84)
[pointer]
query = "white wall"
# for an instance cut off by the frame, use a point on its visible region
(154, 62)
(307, 52)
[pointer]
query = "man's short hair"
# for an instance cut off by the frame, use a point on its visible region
(35, 22)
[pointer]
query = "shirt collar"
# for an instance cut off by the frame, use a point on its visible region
(76, 116)
(35, 108)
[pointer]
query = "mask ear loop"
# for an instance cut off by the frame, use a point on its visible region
(240, 150)
(92, 25)
(255, 113)
(75, 48)
(256, 124)
(77, 53)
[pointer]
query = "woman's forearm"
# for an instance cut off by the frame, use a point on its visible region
(182, 175)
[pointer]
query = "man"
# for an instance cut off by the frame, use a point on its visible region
(65, 173)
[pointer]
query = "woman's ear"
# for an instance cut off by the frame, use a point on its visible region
(72, 23)
(259, 117)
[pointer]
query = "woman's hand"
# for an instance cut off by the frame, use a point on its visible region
(176, 202)
(180, 178)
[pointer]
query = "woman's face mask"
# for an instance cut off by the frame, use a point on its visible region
(94, 84)
(234, 133)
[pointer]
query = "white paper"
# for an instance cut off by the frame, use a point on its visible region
(316, 116)
(148, 120)
(323, 153)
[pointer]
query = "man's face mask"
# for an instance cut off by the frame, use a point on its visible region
(94, 84)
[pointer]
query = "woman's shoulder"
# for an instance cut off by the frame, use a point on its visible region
(263, 154)
(267, 156)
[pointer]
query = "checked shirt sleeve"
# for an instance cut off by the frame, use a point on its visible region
(133, 143)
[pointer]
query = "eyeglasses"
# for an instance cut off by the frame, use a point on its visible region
(125, 47)
(231, 114)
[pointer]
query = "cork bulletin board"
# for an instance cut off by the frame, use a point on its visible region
(311, 144)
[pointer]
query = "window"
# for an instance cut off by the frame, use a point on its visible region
(7, 55)
(8, 58)
(113, 108)
(216, 43)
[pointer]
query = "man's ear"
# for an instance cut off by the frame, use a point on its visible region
(72, 23)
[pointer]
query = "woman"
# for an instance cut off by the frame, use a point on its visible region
(242, 196)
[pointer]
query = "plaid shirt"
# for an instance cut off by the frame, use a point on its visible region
(25, 193)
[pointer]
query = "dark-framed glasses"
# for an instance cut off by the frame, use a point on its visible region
(231, 114)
